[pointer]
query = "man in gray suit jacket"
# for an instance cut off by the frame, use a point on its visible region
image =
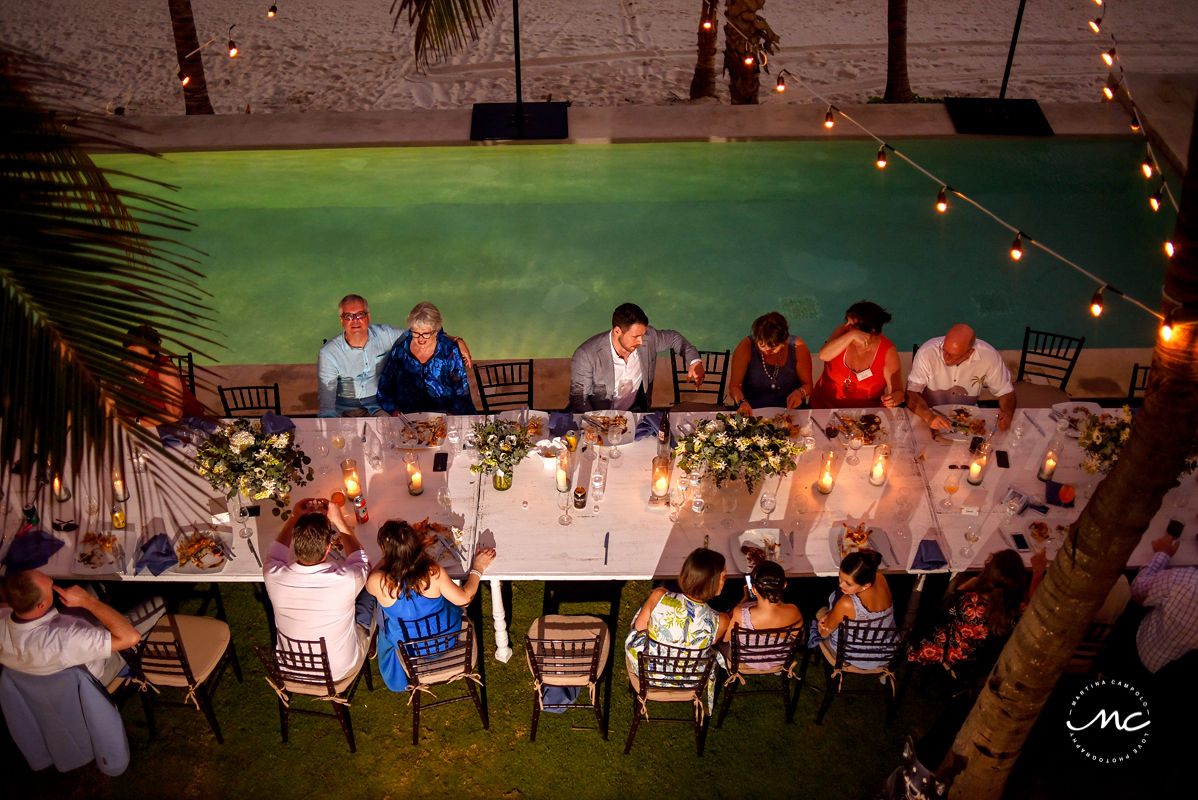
(614, 369)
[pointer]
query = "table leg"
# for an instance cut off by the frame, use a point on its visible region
(503, 647)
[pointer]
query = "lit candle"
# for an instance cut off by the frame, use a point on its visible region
(975, 470)
(661, 476)
(415, 483)
(826, 479)
(877, 475)
(349, 474)
(61, 493)
(1049, 466)
(825, 482)
(563, 478)
(119, 492)
(352, 487)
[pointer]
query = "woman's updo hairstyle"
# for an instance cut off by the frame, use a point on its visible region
(769, 581)
(861, 565)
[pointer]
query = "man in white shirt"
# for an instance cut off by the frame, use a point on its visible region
(314, 595)
(614, 369)
(954, 368)
(35, 638)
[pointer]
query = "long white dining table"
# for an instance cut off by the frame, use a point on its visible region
(620, 536)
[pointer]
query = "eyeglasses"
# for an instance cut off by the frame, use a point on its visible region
(355, 317)
(423, 336)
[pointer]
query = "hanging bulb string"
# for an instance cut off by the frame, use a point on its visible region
(940, 182)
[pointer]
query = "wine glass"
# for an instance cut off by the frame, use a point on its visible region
(567, 501)
(453, 434)
(677, 501)
(971, 538)
(1017, 432)
(337, 440)
(443, 498)
(951, 484)
(856, 441)
(768, 502)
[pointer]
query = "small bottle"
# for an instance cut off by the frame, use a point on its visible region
(360, 511)
(118, 516)
(30, 512)
(580, 497)
(663, 436)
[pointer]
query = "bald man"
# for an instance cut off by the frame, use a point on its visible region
(954, 368)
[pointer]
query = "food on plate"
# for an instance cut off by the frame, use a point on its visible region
(428, 531)
(753, 555)
(856, 537)
(868, 425)
(1039, 531)
(429, 432)
(96, 548)
(536, 427)
(200, 549)
(963, 420)
(609, 423)
(793, 430)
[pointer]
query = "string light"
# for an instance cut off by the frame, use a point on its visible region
(1017, 246)
(942, 199)
(1146, 167)
(829, 117)
(1169, 248)
(184, 78)
(1135, 122)
(882, 157)
(1154, 201)
(781, 87)
(1112, 83)
(1167, 324)
(1096, 303)
(233, 51)
(1109, 57)
(1097, 2)
(748, 59)
(274, 9)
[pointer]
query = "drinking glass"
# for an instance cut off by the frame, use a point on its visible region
(567, 498)
(338, 439)
(453, 434)
(677, 501)
(971, 538)
(93, 505)
(951, 484)
(768, 502)
(1017, 432)
(443, 498)
(855, 443)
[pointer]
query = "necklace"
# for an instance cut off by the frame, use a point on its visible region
(773, 378)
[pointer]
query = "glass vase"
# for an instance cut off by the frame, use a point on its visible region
(502, 481)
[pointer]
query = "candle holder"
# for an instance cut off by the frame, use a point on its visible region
(349, 474)
(659, 487)
(61, 492)
(977, 468)
(415, 478)
(562, 471)
(826, 479)
(1049, 465)
(119, 492)
(880, 470)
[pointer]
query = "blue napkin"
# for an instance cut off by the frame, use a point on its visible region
(650, 425)
(189, 430)
(156, 555)
(559, 695)
(273, 423)
(1052, 494)
(560, 422)
(929, 556)
(31, 549)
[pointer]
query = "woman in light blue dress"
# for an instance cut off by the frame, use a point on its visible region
(410, 585)
(863, 595)
(682, 618)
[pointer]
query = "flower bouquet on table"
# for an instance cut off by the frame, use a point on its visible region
(243, 457)
(502, 444)
(733, 446)
(1103, 437)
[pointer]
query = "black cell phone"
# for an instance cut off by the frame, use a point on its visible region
(975, 443)
(1175, 528)
(1002, 459)
(1020, 542)
(440, 462)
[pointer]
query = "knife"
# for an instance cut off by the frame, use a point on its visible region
(1034, 424)
(606, 542)
(254, 551)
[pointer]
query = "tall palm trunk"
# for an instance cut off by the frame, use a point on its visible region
(898, 86)
(187, 50)
(703, 83)
(745, 34)
(1099, 544)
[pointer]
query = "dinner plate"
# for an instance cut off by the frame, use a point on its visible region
(613, 436)
(100, 559)
(539, 421)
(881, 436)
(1077, 413)
(210, 562)
(957, 433)
(878, 540)
(771, 540)
(798, 421)
(429, 430)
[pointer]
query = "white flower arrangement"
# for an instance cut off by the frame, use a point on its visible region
(733, 446)
(502, 445)
(1103, 437)
(241, 457)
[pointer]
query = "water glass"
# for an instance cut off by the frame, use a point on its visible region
(768, 503)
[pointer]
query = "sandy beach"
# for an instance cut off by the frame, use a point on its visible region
(317, 55)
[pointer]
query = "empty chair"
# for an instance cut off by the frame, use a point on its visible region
(1139, 384)
(504, 385)
(670, 674)
(753, 653)
(858, 642)
(297, 667)
(709, 394)
(249, 401)
(433, 655)
(1094, 641)
(185, 363)
(185, 653)
(564, 651)
(1050, 356)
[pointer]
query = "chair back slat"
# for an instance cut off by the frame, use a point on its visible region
(1049, 355)
(1139, 383)
(436, 642)
(564, 658)
(161, 655)
(715, 363)
(866, 641)
(766, 648)
(249, 401)
(505, 385)
(302, 661)
(185, 363)
(665, 666)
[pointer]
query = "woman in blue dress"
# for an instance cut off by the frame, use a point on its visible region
(409, 585)
(425, 370)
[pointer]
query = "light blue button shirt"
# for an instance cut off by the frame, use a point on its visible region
(349, 376)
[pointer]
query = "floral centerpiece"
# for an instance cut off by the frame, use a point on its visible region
(1103, 437)
(502, 445)
(242, 457)
(733, 446)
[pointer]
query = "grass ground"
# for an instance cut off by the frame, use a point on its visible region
(754, 754)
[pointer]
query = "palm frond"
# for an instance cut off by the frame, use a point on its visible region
(83, 261)
(441, 26)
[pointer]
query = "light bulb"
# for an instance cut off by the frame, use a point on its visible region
(1167, 326)
(829, 118)
(1096, 303)
(749, 60)
(1146, 167)
(1097, 2)
(274, 9)
(1169, 249)
(1155, 200)
(1108, 57)
(706, 24)
(882, 157)
(1135, 123)
(184, 78)
(1108, 92)
(781, 87)
(1017, 247)
(942, 199)
(233, 51)
(1096, 24)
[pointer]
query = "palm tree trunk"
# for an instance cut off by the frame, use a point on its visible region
(898, 85)
(187, 50)
(745, 33)
(703, 82)
(1099, 544)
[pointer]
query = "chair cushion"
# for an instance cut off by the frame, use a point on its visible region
(1039, 395)
(446, 674)
(204, 641)
(564, 626)
(661, 695)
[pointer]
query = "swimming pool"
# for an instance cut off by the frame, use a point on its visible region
(527, 249)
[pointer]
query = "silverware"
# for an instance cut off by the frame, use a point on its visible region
(363, 432)
(1034, 423)
(606, 542)
(254, 551)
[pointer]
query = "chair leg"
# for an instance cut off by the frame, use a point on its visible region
(367, 670)
(236, 662)
(147, 705)
(536, 716)
(792, 700)
(728, 692)
(636, 721)
(701, 734)
(830, 693)
(415, 716)
(205, 702)
(479, 705)
(599, 716)
(283, 721)
(346, 725)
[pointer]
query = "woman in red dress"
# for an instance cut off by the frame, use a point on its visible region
(861, 366)
(164, 385)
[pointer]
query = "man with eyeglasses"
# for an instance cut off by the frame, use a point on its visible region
(349, 366)
(954, 368)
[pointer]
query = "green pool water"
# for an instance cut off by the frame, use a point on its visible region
(527, 249)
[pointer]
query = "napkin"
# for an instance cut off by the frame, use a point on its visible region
(156, 555)
(273, 423)
(560, 422)
(1059, 494)
(31, 549)
(559, 695)
(929, 556)
(650, 425)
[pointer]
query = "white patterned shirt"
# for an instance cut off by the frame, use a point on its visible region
(1170, 630)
